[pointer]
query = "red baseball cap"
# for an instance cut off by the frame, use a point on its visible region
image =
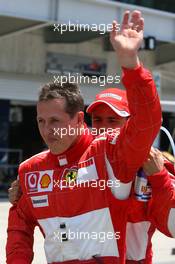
(115, 98)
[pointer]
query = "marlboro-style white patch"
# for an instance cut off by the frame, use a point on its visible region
(40, 201)
(62, 160)
(87, 171)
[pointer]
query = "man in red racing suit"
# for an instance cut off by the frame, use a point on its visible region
(143, 218)
(162, 206)
(83, 207)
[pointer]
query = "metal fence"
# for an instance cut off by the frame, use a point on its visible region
(9, 162)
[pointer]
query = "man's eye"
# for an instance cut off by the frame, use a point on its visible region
(40, 121)
(112, 121)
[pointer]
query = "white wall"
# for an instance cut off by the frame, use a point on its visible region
(25, 55)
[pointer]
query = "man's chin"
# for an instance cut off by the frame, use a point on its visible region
(57, 149)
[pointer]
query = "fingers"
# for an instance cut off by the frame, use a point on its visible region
(15, 183)
(133, 21)
(125, 22)
(140, 24)
(135, 17)
(114, 26)
(114, 31)
(137, 21)
(154, 155)
(12, 197)
(14, 192)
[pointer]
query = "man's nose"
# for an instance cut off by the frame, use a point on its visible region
(104, 124)
(49, 129)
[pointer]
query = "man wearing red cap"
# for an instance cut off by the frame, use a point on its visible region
(110, 110)
(115, 157)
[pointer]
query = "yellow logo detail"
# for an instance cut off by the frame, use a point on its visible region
(144, 189)
(45, 181)
(71, 176)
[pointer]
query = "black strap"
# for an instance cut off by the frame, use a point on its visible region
(98, 259)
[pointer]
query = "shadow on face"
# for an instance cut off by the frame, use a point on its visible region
(54, 122)
(104, 117)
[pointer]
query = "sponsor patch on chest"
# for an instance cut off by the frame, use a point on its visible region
(87, 171)
(40, 201)
(68, 178)
(39, 181)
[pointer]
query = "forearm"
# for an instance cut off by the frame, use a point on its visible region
(130, 62)
(145, 120)
(19, 247)
(142, 96)
(163, 200)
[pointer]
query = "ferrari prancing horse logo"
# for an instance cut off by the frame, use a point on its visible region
(71, 176)
(68, 179)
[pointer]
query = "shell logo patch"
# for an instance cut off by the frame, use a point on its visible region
(45, 181)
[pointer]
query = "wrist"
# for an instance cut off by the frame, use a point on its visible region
(152, 172)
(158, 179)
(130, 61)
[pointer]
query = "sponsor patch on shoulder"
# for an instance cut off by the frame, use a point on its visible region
(39, 181)
(40, 201)
(87, 171)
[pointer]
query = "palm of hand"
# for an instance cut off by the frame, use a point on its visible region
(130, 37)
(130, 41)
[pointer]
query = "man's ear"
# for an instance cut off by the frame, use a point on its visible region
(80, 118)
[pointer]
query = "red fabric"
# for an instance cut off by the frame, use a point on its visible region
(163, 198)
(138, 213)
(20, 261)
(126, 152)
(113, 97)
(135, 261)
(137, 136)
(156, 210)
(20, 234)
(104, 260)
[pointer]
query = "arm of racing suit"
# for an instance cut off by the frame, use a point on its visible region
(162, 204)
(127, 152)
(21, 224)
